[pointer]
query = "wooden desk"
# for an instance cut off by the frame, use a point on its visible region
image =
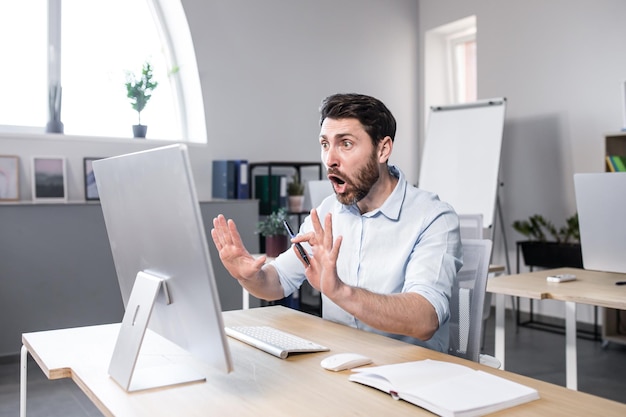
(265, 385)
(591, 287)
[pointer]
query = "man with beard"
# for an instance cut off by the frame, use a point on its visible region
(383, 253)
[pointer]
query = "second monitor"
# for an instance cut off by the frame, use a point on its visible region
(600, 202)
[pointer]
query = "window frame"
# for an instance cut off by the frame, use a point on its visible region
(179, 53)
(455, 67)
(437, 82)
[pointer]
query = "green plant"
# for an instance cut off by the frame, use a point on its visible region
(139, 89)
(295, 187)
(272, 225)
(539, 229)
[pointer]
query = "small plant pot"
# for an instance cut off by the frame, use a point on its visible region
(552, 254)
(275, 245)
(296, 203)
(139, 131)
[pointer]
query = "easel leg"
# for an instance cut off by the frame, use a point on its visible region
(506, 246)
(504, 242)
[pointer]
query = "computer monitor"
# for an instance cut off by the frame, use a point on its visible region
(315, 192)
(161, 255)
(600, 202)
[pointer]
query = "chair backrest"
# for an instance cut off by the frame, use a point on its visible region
(471, 226)
(468, 296)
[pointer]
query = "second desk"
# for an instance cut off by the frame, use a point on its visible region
(590, 287)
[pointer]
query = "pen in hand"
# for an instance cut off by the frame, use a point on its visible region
(298, 246)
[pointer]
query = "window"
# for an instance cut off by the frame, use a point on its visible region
(450, 71)
(91, 47)
(463, 67)
(23, 75)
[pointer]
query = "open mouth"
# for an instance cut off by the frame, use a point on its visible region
(339, 184)
(337, 180)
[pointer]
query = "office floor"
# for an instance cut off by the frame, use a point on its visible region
(531, 352)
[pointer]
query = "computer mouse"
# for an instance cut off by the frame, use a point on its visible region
(342, 361)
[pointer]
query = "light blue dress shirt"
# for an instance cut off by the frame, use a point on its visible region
(410, 244)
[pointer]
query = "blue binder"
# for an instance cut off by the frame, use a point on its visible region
(224, 179)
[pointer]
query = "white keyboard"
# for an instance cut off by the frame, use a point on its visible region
(273, 341)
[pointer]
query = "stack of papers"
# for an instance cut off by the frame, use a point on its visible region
(446, 389)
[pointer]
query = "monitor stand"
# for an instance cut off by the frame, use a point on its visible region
(123, 366)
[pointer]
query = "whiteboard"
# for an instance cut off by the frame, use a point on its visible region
(461, 157)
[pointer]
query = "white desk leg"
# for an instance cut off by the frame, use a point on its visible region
(245, 303)
(571, 361)
(23, 379)
(500, 311)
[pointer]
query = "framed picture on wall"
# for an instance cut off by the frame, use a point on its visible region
(9, 178)
(91, 188)
(49, 180)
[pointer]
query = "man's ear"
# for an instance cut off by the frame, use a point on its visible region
(385, 146)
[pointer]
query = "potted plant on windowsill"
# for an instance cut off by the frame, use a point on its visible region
(273, 230)
(295, 192)
(548, 246)
(139, 90)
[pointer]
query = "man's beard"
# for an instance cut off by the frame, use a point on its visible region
(358, 188)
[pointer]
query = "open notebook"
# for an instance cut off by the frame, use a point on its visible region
(444, 388)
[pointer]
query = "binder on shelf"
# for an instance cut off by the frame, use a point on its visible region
(243, 182)
(282, 197)
(268, 194)
(618, 162)
(609, 164)
(224, 179)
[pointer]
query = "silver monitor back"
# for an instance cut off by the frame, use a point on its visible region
(153, 221)
(601, 203)
(315, 192)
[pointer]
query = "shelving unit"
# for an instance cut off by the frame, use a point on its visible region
(271, 168)
(614, 321)
(615, 144)
(307, 299)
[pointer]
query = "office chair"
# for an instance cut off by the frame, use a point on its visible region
(471, 226)
(467, 302)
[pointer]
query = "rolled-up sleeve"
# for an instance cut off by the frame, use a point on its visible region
(435, 260)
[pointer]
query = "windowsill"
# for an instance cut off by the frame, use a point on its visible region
(84, 138)
(49, 203)
(97, 202)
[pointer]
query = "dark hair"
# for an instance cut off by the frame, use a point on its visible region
(375, 117)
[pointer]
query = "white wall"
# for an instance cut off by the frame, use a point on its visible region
(560, 64)
(266, 65)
